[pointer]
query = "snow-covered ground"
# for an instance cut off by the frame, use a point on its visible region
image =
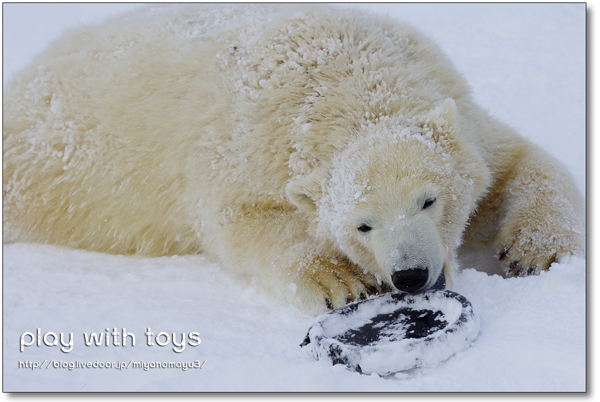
(525, 62)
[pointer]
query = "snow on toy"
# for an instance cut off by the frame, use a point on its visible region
(394, 332)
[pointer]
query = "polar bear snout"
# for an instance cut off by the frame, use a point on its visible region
(411, 280)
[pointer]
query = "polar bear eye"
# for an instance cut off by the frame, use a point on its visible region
(364, 228)
(429, 202)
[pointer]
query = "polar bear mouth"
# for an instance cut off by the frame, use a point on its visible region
(440, 284)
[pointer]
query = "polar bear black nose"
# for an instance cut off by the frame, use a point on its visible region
(410, 280)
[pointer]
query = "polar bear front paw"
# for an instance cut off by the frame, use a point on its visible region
(326, 284)
(528, 252)
(519, 263)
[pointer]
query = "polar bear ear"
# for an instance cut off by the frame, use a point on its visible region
(302, 193)
(443, 115)
(441, 122)
(447, 111)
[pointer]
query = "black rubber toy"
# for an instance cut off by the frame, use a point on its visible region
(395, 332)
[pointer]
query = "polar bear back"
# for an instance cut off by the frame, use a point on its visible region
(131, 136)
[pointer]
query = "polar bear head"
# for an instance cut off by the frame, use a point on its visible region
(396, 200)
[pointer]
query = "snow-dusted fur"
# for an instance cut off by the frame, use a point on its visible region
(266, 137)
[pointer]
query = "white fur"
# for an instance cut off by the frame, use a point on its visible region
(263, 136)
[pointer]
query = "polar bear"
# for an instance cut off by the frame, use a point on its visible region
(325, 153)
